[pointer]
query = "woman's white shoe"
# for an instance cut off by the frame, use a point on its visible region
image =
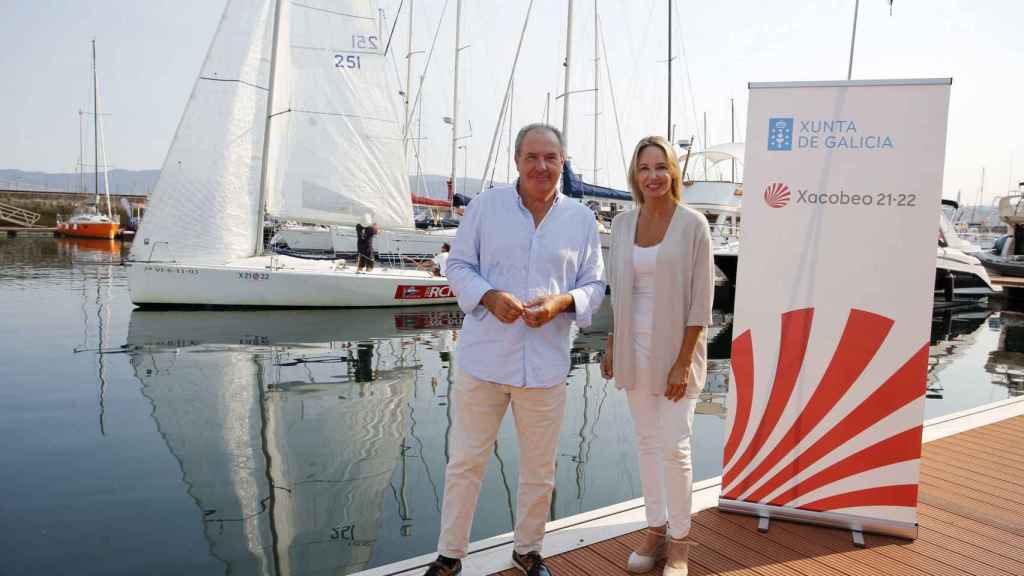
(678, 557)
(644, 558)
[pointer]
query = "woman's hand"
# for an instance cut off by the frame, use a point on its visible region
(678, 380)
(607, 367)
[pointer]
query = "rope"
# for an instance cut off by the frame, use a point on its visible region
(611, 89)
(508, 92)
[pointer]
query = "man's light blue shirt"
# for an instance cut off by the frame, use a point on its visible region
(498, 247)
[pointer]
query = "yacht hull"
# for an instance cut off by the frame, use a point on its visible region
(1002, 266)
(970, 280)
(107, 230)
(280, 282)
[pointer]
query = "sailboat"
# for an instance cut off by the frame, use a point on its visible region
(292, 116)
(88, 220)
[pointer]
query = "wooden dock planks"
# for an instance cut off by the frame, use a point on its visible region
(970, 513)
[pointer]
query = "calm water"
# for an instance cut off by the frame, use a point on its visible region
(299, 442)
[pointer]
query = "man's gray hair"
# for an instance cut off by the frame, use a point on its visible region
(539, 126)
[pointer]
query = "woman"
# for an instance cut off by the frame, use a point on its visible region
(660, 271)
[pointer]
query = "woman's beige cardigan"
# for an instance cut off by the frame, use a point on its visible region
(683, 292)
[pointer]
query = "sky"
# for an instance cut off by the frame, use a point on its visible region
(150, 52)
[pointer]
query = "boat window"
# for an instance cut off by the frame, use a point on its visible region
(997, 247)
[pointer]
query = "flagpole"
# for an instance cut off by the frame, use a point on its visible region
(853, 39)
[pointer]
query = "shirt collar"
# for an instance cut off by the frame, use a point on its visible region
(519, 199)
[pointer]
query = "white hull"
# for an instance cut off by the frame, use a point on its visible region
(972, 280)
(281, 281)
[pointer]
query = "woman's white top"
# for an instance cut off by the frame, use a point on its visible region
(645, 263)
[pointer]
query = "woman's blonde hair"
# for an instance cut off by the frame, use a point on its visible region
(676, 190)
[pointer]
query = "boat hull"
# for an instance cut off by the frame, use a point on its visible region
(280, 282)
(1001, 265)
(107, 230)
(970, 279)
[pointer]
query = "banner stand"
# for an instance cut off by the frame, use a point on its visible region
(857, 525)
(834, 290)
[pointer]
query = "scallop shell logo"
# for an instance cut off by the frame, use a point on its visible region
(776, 195)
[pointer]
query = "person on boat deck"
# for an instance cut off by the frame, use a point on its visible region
(660, 272)
(439, 263)
(440, 260)
(525, 263)
(364, 243)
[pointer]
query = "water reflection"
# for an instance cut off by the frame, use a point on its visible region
(1006, 362)
(953, 333)
(93, 285)
(289, 426)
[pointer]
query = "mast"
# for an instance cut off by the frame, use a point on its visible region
(853, 39)
(455, 97)
(261, 208)
(95, 127)
(732, 133)
(510, 151)
(705, 146)
(81, 153)
(408, 85)
(668, 128)
(568, 67)
(597, 85)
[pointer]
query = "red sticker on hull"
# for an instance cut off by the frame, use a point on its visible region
(414, 292)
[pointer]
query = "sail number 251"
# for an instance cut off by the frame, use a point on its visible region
(355, 61)
(350, 61)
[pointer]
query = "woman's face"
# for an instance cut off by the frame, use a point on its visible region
(652, 173)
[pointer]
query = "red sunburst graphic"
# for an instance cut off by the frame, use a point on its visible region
(776, 195)
(748, 472)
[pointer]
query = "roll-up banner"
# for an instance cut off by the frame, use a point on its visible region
(843, 183)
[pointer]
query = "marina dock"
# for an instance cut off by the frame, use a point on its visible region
(15, 231)
(970, 514)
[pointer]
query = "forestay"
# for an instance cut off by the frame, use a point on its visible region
(336, 144)
(204, 205)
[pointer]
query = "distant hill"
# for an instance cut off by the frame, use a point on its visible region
(135, 182)
(141, 182)
(435, 186)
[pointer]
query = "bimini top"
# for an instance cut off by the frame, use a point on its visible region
(712, 165)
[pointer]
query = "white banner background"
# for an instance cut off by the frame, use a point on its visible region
(852, 445)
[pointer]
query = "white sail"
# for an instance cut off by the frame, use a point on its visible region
(204, 206)
(336, 142)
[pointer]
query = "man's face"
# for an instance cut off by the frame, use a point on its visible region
(539, 162)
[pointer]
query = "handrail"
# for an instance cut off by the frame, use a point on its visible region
(18, 215)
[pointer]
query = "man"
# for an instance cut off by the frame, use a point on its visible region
(526, 261)
(440, 260)
(364, 244)
(437, 265)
